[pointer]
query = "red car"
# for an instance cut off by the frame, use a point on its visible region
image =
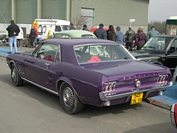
(94, 28)
(174, 115)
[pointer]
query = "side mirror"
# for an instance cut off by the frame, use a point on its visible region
(39, 54)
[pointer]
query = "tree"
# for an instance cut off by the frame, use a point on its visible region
(79, 20)
(159, 26)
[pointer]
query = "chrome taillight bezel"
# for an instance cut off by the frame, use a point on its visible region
(109, 87)
(162, 79)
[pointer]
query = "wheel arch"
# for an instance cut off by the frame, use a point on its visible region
(12, 62)
(63, 80)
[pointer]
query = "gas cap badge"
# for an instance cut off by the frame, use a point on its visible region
(137, 83)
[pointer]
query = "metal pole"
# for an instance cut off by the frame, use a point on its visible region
(13, 3)
(38, 9)
(68, 10)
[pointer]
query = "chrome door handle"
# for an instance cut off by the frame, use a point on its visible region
(47, 64)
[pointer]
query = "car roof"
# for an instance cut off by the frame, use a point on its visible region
(74, 33)
(77, 41)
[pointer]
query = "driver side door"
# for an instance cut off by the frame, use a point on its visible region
(40, 64)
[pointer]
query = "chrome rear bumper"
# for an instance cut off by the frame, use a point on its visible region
(112, 96)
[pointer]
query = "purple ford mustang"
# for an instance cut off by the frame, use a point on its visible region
(88, 71)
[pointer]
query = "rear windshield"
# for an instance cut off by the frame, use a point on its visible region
(100, 52)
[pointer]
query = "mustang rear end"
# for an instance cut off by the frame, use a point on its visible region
(134, 88)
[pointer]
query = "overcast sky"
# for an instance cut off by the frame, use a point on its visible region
(160, 10)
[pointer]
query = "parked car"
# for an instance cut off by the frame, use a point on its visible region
(95, 28)
(160, 49)
(3, 38)
(79, 73)
(74, 34)
(173, 114)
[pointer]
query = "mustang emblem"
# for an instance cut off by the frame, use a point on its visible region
(137, 83)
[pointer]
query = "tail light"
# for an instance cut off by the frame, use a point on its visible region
(109, 86)
(173, 114)
(162, 79)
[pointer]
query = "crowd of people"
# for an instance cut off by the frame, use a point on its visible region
(131, 39)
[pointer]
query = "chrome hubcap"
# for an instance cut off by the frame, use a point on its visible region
(68, 97)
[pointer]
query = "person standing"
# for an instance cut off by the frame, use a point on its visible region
(13, 31)
(152, 32)
(72, 27)
(85, 27)
(140, 38)
(120, 38)
(129, 38)
(20, 37)
(111, 35)
(35, 40)
(32, 37)
(100, 33)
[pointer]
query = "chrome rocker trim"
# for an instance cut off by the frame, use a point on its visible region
(44, 88)
(128, 94)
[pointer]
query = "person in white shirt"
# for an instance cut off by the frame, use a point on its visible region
(20, 37)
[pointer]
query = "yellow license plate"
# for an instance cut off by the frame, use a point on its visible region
(136, 98)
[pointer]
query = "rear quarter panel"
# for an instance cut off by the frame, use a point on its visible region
(86, 83)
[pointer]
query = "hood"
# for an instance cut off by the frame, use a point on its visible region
(146, 53)
(26, 53)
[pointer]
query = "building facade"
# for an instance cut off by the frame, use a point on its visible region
(90, 12)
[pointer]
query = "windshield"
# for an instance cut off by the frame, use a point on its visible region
(158, 43)
(100, 52)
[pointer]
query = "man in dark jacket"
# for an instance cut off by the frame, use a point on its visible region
(32, 37)
(111, 35)
(129, 38)
(13, 31)
(100, 33)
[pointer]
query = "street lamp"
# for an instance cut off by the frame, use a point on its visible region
(131, 21)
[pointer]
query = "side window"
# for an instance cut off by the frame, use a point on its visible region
(57, 35)
(174, 46)
(57, 28)
(65, 36)
(42, 29)
(50, 52)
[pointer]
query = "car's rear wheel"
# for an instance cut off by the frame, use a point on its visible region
(69, 100)
(16, 79)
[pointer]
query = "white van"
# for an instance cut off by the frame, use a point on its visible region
(47, 27)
